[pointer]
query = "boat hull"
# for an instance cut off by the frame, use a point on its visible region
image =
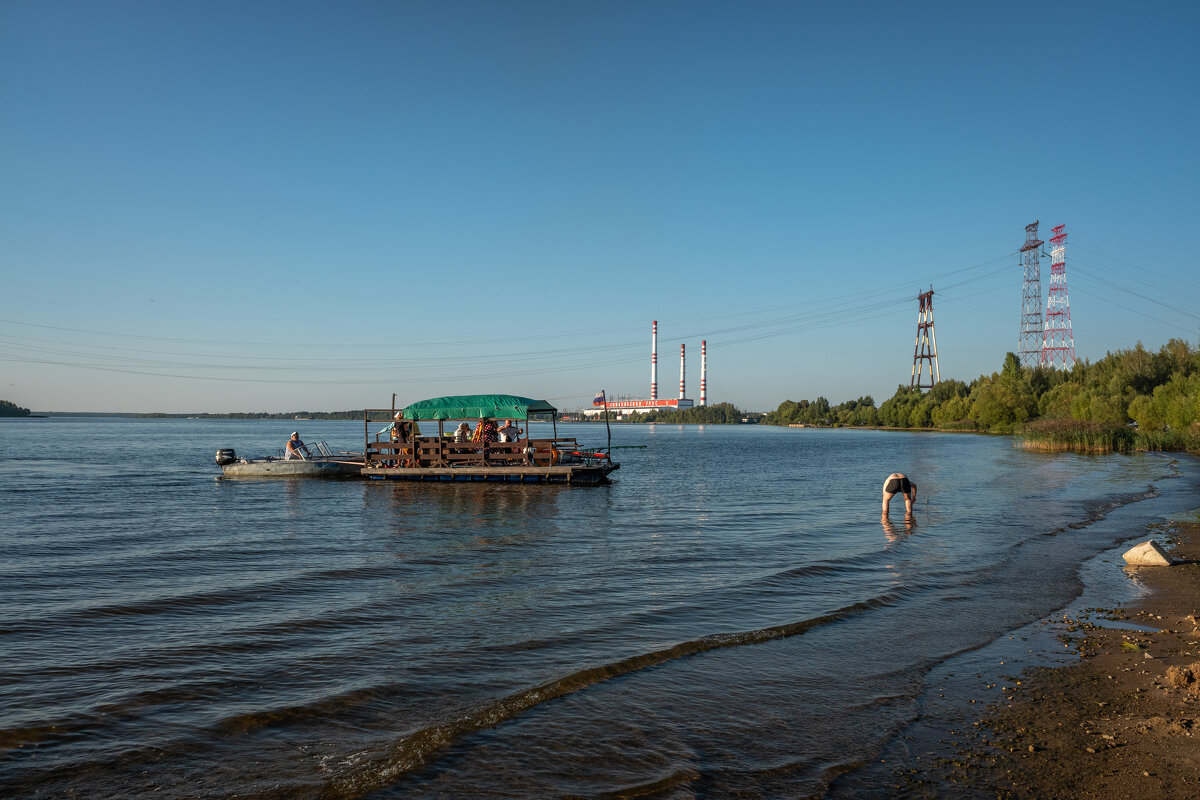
(277, 468)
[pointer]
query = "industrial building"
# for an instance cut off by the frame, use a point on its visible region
(624, 404)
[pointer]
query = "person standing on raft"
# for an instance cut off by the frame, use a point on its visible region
(898, 483)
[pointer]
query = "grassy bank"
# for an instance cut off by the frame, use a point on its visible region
(1078, 436)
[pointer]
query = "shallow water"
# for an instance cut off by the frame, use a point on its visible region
(730, 617)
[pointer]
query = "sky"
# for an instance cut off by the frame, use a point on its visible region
(284, 206)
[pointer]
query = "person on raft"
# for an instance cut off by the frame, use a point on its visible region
(402, 429)
(898, 483)
(295, 448)
(486, 431)
(510, 432)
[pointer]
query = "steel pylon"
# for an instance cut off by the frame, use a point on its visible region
(925, 350)
(1029, 345)
(1058, 340)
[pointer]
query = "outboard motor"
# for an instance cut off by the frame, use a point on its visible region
(226, 456)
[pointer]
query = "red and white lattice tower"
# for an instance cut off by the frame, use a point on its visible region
(703, 372)
(654, 360)
(682, 382)
(925, 351)
(1029, 345)
(1058, 342)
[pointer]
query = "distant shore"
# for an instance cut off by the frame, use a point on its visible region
(298, 416)
(1084, 441)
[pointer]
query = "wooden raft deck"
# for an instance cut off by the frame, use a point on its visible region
(577, 474)
(439, 458)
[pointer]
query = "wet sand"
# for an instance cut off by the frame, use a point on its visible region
(1121, 721)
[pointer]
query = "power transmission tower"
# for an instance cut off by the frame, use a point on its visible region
(1029, 346)
(926, 346)
(1058, 342)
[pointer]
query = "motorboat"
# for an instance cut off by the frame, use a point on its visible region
(321, 463)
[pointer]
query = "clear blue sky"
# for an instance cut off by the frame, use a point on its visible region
(242, 206)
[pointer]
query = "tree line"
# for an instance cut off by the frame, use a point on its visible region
(718, 414)
(1133, 397)
(8, 409)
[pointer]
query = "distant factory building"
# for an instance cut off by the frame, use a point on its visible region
(625, 403)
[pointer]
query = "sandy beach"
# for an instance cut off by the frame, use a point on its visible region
(1123, 721)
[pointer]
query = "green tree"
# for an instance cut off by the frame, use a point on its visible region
(896, 411)
(1005, 399)
(1094, 404)
(1175, 404)
(1056, 403)
(954, 413)
(8, 409)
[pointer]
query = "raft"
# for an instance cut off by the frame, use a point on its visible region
(397, 452)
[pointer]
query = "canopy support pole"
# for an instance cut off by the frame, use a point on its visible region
(607, 447)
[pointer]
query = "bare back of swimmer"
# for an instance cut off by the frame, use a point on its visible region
(898, 483)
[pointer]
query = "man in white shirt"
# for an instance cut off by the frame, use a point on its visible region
(510, 432)
(295, 448)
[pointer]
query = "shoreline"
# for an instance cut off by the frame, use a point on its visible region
(1116, 714)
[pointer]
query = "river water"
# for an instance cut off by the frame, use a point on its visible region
(730, 617)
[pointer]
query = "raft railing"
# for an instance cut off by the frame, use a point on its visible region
(441, 451)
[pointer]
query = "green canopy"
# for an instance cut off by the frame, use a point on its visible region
(473, 406)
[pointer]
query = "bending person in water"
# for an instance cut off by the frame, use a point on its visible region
(898, 483)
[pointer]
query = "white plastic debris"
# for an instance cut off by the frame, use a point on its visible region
(1147, 554)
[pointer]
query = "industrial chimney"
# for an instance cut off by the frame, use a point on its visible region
(654, 360)
(682, 381)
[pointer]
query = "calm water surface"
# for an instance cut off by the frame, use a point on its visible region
(730, 617)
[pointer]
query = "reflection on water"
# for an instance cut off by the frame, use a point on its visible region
(893, 533)
(724, 620)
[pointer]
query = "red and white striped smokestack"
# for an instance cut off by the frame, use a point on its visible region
(654, 360)
(682, 382)
(703, 372)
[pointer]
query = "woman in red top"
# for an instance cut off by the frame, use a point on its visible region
(487, 432)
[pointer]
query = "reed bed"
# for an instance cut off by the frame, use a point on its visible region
(1077, 436)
